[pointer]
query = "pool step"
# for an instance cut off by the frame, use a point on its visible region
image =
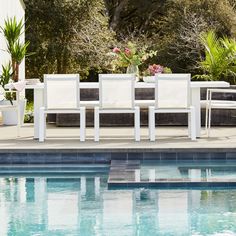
(131, 174)
(52, 169)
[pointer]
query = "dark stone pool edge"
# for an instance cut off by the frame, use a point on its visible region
(101, 156)
(173, 185)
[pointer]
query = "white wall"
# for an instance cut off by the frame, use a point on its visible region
(10, 8)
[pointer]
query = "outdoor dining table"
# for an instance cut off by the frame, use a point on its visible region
(195, 97)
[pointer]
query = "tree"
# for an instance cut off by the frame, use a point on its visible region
(54, 26)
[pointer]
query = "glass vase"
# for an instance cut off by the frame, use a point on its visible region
(133, 69)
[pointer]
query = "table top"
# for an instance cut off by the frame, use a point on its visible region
(95, 85)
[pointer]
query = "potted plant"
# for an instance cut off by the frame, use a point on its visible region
(130, 57)
(12, 31)
(149, 73)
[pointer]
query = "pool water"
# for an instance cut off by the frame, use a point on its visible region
(81, 204)
(189, 171)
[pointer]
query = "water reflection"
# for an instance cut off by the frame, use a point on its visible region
(84, 206)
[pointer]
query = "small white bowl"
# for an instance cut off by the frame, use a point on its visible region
(149, 79)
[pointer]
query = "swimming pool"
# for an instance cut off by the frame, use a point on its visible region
(78, 202)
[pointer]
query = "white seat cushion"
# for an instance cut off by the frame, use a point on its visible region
(144, 103)
(140, 103)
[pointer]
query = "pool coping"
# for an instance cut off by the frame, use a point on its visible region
(114, 150)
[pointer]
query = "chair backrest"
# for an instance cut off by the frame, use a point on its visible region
(61, 91)
(172, 91)
(116, 91)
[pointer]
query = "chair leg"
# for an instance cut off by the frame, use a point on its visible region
(209, 123)
(96, 124)
(193, 123)
(189, 125)
(206, 118)
(151, 124)
(18, 122)
(209, 115)
(207, 111)
(82, 124)
(137, 123)
(42, 124)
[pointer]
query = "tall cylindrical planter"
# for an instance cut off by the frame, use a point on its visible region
(10, 117)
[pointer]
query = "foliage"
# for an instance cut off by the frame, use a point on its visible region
(71, 36)
(6, 74)
(29, 113)
(220, 58)
(93, 41)
(68, 36)
(12, 31)
(130, 55)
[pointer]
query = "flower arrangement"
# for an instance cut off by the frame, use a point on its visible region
(156, 69)
(130, 55)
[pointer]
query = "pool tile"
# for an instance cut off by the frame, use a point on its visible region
(151, 156)
(185, 156)
(231, 155)
(119, 156)
(5, 158)
(102, 158)
(52, 158)
(85, 158)
(218, 156)
(168, 156)
(19, 158)
(69, 158)
(203, 156)
(36, 158)
(135, 155)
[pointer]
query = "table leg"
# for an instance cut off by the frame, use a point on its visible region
(196, 103)
(38, 102)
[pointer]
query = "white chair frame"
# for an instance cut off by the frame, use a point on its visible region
(101, 110)
(188, 109)
(217, 104)
(78, 109)
(13, 107)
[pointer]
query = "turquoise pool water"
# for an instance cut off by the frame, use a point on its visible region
(81, 204)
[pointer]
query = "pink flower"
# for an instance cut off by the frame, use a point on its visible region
(155, 69)
(116, 50)
(127, 51)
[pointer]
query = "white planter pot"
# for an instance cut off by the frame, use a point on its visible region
(10, 117)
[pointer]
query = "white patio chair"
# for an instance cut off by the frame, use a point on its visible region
(15, 107)
(217, 104)
(61, 95)
(172, 95)
(116, 95)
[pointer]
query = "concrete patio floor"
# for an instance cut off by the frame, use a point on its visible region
(117, 139)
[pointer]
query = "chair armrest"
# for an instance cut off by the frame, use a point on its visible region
(221, 90)
(211, 91)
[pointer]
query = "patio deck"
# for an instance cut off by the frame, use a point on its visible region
(223, 139)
